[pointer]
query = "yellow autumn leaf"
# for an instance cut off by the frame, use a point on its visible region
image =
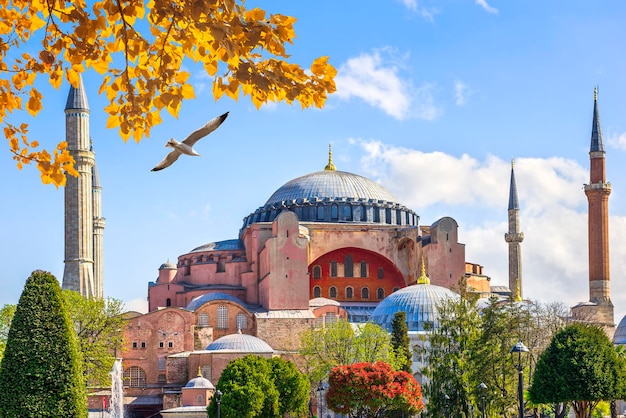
(187, 91)
(34, 102)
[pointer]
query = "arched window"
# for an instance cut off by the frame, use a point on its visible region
(381, 273)
(320, 213)
(206, 372)
(380, 293)
(330, 318)
(333, 269)
(365, 293)
(348, 266)
(200, 400)
(135, 377)
(349, 293)
(168, 302)
(222, 317)
(347, 213)
(363, 269)
(334, 212)
(395, 289)
(317, 292)
(332, 292)
(161, 363)
(317, 272)
(357, 213)
(203, 320)
(242, 321)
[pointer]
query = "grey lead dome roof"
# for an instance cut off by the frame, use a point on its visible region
(419, 301)
(620, 332)
(334, 197)
(240, 343)
(200, 383)
(330, 184)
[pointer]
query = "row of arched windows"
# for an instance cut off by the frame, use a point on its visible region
(349, 292)
(348, 269)
(222, 319)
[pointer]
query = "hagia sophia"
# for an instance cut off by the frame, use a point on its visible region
(326, 245)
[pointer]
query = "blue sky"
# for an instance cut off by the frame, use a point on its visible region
(434, 99)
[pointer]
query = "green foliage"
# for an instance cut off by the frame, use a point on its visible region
(579, 366)
(98, 324)
(372, 390)
(256, 387)
(293, 388)
(449, 358)
(401, 342)
(339, 343)
(41, 372)
(6, 315)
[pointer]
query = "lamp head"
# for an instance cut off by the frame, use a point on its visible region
(218, 396)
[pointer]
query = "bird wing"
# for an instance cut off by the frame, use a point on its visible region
(210, 126)
(167, 161)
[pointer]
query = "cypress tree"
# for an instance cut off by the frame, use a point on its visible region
(401, 342)
(41, 371)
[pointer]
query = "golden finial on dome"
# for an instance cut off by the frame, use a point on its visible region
(330, 166)
(199, 372)
(595, 93)
(423, 279)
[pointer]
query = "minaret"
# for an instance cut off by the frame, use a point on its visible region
(79, 273)
(514, 237)
(598, 191)
(98, 231)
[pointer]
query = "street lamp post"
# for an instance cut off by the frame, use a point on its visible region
(320, 393)
(446, 404)
(482, 387)
(519, 348)
(218, 400)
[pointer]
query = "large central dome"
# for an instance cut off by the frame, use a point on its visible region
(329, 184)
(336, 197)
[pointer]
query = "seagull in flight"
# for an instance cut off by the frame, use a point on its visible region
(186, 147)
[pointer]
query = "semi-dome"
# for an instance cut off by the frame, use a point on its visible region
(419, 301)
(198, 301)
(240, 343)
(620, 332)
(334, 196)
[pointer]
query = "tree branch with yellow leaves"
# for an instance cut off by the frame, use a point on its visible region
(139, 48)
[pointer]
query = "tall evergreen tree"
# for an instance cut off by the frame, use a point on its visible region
(401, 342)
(41, 371)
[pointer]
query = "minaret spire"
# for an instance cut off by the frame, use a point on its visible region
(514, 238)
(78, 274)
(330, 166)
(598, 191)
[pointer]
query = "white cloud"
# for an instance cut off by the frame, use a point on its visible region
(486, 6)
(138, 305)
(618, 141)
(553, 214)
(376, 80)
(426, 12)
(460, 92)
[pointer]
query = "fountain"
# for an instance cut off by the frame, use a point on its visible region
(116, 407)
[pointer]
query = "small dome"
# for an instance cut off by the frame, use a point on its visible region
(319, 302)
(620, 332)
(240, 343)
(168, 266)
(200, 383)
(419, 301)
